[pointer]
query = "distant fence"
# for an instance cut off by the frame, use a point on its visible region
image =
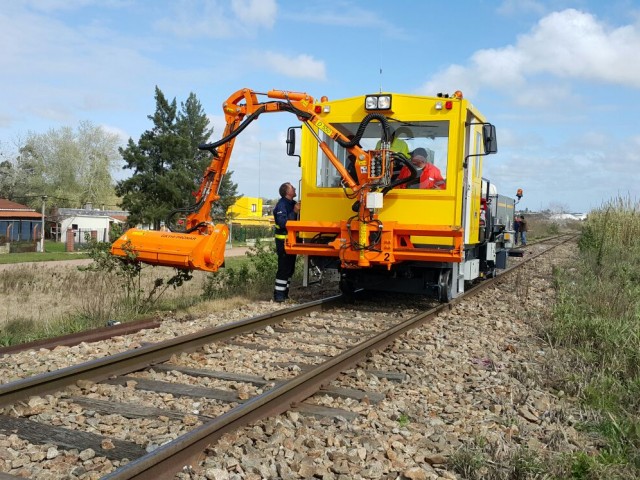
(242, 233)
(83, 235)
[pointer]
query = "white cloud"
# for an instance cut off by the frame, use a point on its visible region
(257, 12)
(574, 44)
(299, 66)
(563, 45)
(545, 95)
(454, 77)
(214, 18)
(123, 136)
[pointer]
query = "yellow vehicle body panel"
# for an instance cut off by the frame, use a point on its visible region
(423, 210)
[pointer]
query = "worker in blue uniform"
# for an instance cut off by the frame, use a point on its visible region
(286, 209)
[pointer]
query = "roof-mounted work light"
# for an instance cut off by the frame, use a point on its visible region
(377, 102)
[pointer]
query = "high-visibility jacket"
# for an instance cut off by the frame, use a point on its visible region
(398, 145)
(281, 214)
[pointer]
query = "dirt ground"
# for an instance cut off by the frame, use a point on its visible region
(230, 252)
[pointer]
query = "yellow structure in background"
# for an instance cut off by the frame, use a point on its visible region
(248, 211)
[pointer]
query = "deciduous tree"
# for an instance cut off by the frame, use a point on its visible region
(74, 167)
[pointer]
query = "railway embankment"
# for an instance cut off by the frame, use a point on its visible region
(470, 380)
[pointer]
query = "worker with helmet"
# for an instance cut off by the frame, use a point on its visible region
(286, 209)
(429, 175)
(397, 144)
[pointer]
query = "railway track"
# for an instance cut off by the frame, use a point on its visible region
(324, 338)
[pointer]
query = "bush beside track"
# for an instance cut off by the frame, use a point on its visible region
(594, 330)
(597, 322)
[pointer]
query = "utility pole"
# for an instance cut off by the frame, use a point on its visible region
(44, 198)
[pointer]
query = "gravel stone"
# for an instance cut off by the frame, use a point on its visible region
(473, 373)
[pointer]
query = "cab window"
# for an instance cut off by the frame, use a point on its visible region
(432, 136)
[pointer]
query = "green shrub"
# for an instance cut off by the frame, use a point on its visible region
(125, 275)
(253, 279)
(597, 322)
(17, 329)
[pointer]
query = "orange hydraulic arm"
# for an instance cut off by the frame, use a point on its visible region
(201, 244)
(244, 103)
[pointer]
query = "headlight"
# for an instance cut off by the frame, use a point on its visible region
(384, 102)
(377, 102)
(371, 103)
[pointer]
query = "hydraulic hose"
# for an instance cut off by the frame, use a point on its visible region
(288, 107)
(187, 210)
(386, 130)
(212, 146)
(413, 172)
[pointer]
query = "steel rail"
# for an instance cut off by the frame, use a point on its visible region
(143, 357)
(172, 457)
(501, 277)
(87, 336)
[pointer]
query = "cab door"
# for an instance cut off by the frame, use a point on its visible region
(472, 179)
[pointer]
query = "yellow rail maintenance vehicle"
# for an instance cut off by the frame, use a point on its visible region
(427, 235)
(392, 194)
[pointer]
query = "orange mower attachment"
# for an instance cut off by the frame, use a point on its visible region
(193, 251)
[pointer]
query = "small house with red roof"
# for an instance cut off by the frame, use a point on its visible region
(18, 222)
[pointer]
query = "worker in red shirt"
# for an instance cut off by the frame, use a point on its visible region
(483, 211)
(429, 175)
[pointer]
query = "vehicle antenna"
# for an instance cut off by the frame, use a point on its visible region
(380, 58)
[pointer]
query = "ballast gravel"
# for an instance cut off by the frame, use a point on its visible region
(473, 375)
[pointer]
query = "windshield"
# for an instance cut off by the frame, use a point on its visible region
(432, 136)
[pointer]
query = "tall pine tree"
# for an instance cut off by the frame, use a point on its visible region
(167, 164)
(228, 192)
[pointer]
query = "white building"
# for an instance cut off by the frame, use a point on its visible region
(83, 221)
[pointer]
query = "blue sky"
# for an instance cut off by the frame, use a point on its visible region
(559, 79)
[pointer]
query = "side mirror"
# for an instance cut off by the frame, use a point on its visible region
(489, 138)
(291, 141)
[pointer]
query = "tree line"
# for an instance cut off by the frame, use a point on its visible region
(75, 167)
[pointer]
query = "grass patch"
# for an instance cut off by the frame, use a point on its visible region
(39, 300)
(540, 226)
(252, 279)
(483, 461)
(40, 257)
(52, 251)
(597, 323)
(23, 330)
